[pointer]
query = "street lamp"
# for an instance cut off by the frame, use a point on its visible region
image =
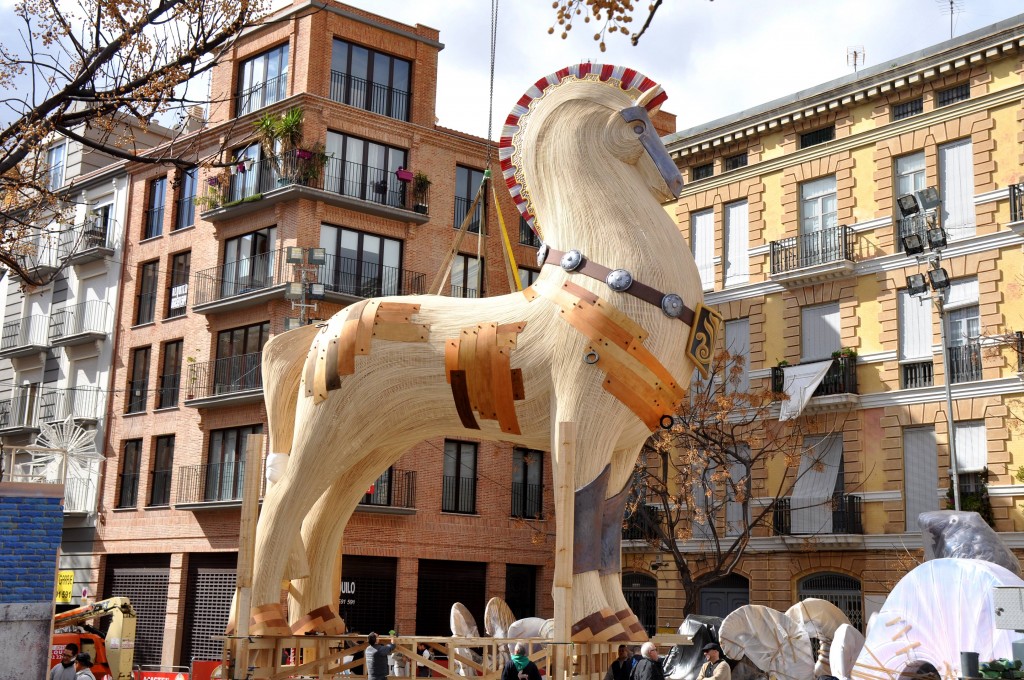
(307, 261)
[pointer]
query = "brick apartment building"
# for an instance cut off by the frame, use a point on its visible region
(204, 287)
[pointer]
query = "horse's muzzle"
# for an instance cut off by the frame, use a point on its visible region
(654, 148)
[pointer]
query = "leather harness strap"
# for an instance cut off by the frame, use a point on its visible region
(639, 290)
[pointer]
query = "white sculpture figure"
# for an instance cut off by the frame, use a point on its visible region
(774, 642)
(819, 619)
(844, 650)
(463, 624)
(606, 339)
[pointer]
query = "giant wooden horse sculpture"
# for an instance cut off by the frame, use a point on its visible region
(606, 337)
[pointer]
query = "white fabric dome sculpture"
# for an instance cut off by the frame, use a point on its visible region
(774, 642)
(819, 619)
(606, 338)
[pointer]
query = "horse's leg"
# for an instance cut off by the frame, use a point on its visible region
(623, 463)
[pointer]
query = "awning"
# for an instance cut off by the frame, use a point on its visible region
(799, 383)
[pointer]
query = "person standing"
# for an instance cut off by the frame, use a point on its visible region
(715, 666)
(519, 666)
(649, 665)
(83, 665)
(65, 670)
(421, 670)
(620, 668)
(377, 657)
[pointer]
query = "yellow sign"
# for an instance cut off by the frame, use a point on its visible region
(65, 582)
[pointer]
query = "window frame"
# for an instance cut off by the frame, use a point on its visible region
(522, 467)
(55, 180)
(244, 78)
(951, 95)
(702, 171)
(821, 135)
(185, 216)
(170, 383)
(155, 205)
(145, 299)
(234, 460)
(162, 455)
(139, 361)
(467, 183)
(906, 109)
(375, 184)
(452, 491)
(461, 268)
(131, 459)
(342, 86)
(180, 270)
(735, 162)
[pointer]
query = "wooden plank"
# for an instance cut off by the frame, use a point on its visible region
(468, 362)
(401, 332)
(320, 375)
(516, 327)
(309, 368)
(579, 292)
(347, 346)
(649, 415)
(451, 358)
(333, 379)
(460, 392)
(530, 293)
(486, 353)
(622, 319)
(616, 361)
(365, 332)
(405, 307)
(518, 386)
(565, 493)
(600, 322)
(644, 356)
(504, 399)
(246, 553)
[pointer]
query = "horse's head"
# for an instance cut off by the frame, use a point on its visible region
(586, 121)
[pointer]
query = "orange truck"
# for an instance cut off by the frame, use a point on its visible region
(112, 652)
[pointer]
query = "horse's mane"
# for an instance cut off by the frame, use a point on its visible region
(633, 83)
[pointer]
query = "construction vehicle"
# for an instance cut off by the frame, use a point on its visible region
(112, 652)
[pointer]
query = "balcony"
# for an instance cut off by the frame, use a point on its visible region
(88, 242)
(375, 97)
(810, 258)
(527, 501)
(43, 256)
(458, 494)
(79, 491)
(963, 362)
(24, 336)
(345, 184)
(240, 284)
(160, 488)
(30, 405)
(262, 94)
(214, 485)
(837, 391)
(917, 374)
(79, 324)
(462, 206)
(642, 524)
(464, 292)
(394, 492)
(846, 517)
(346, 279)
(225, 382)
(1017, 202)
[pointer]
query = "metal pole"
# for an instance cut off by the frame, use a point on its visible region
(949, 400)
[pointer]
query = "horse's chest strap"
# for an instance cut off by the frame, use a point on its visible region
(621, 281)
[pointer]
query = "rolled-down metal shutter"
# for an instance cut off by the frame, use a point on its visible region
(367, 601)
(145, 585)
(440, 585)
(641, 593)
(211, 586)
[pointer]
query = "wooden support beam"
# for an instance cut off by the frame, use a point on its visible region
(247, 552)
(565, 492)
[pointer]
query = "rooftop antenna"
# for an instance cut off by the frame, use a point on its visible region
(953, 7)
(855, 56)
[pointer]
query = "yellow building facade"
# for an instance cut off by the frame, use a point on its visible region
(791, 211)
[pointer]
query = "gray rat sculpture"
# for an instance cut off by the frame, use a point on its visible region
(949, 533)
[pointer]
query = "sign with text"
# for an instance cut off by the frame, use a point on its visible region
(65, 582)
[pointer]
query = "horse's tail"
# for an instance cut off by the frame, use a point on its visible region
(283, 358)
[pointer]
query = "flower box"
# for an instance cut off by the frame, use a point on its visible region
(403, 175)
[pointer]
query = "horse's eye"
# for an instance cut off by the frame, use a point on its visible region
(638, 128)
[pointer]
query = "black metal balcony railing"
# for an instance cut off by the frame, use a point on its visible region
(375, 97)
(963, 362)
(160, 488)
(128, 489)
(462, 206)
(458, 494)
(145, 308)
(841, 378)
(28, 331)
(212, 483)
(93, 234)
(368, 279)
(225, 376)
(135, 399)
(261, 94)
(642, 524)
(846, 516)
(808, 250)
(526, 235)
(90, 316)
(918, 374)
(238, 278)
(393, 489)
(167, 394)
(915, 224)
(464, 292)
(30, 405)
(527, 500)
(1017, 202)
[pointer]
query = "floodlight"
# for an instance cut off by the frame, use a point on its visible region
(908, 205)
(293, 291)
(936, 238)
(916, 284)
(317, 256)
(912, 243)
(294, 255)
(928, 198)
(939, 279)
(290, 324)
(316, 291)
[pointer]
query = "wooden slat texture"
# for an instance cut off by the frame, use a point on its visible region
(365, 333)
(518, 386)
(401, 332)
(451, 358)
(460, 391)
(504, 394)
(483, 372)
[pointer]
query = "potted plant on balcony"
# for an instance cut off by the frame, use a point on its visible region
(420, 191)
(281, 139)
(849, 352)
(214, 196)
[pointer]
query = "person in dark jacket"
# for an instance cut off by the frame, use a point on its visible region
(620, 668)
(520, 667)
(649, 665)
(377, 657)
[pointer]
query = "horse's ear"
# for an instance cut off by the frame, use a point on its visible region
(652, 100)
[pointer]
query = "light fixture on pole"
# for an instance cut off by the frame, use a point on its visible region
(916, 284)
(912, 243)
(307, 261)
(939, 279)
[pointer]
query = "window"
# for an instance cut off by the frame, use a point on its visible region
(262, 80)
(821, 136)
(97, 227)
(737, 343)
(155, 211)
(170, 375)
(819, 332)
(702, 239)
(819, 479)
(971, 454)
(956, 185)
(458, 492)
(735, 162)
(370, 80)
(526, 235)
(225, 469)
(145, 308)
(641, 594)
(186, 199)
(952, 95)
(527, 483)
(163, 463)
(963, 331)
(248, 262)
(177, 292)
(906, 109)
(239, 352)
(910, 177)
(818, 242)
(527, 276)
(364, 169)
(467, 276)
(467, 182)
(737, 235)
(128, 481)
(920, 473)
(915, 328)
(736, 488)
(55, 166)
(363, 265)
(257, 176)
(702, 171)
(841, 590)
(138, 384)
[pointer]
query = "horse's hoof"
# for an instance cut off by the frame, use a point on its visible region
(320, 620)
(601, 626)
(266, 620)
(629, 621)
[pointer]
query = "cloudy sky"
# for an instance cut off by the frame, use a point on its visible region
(713, 58)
